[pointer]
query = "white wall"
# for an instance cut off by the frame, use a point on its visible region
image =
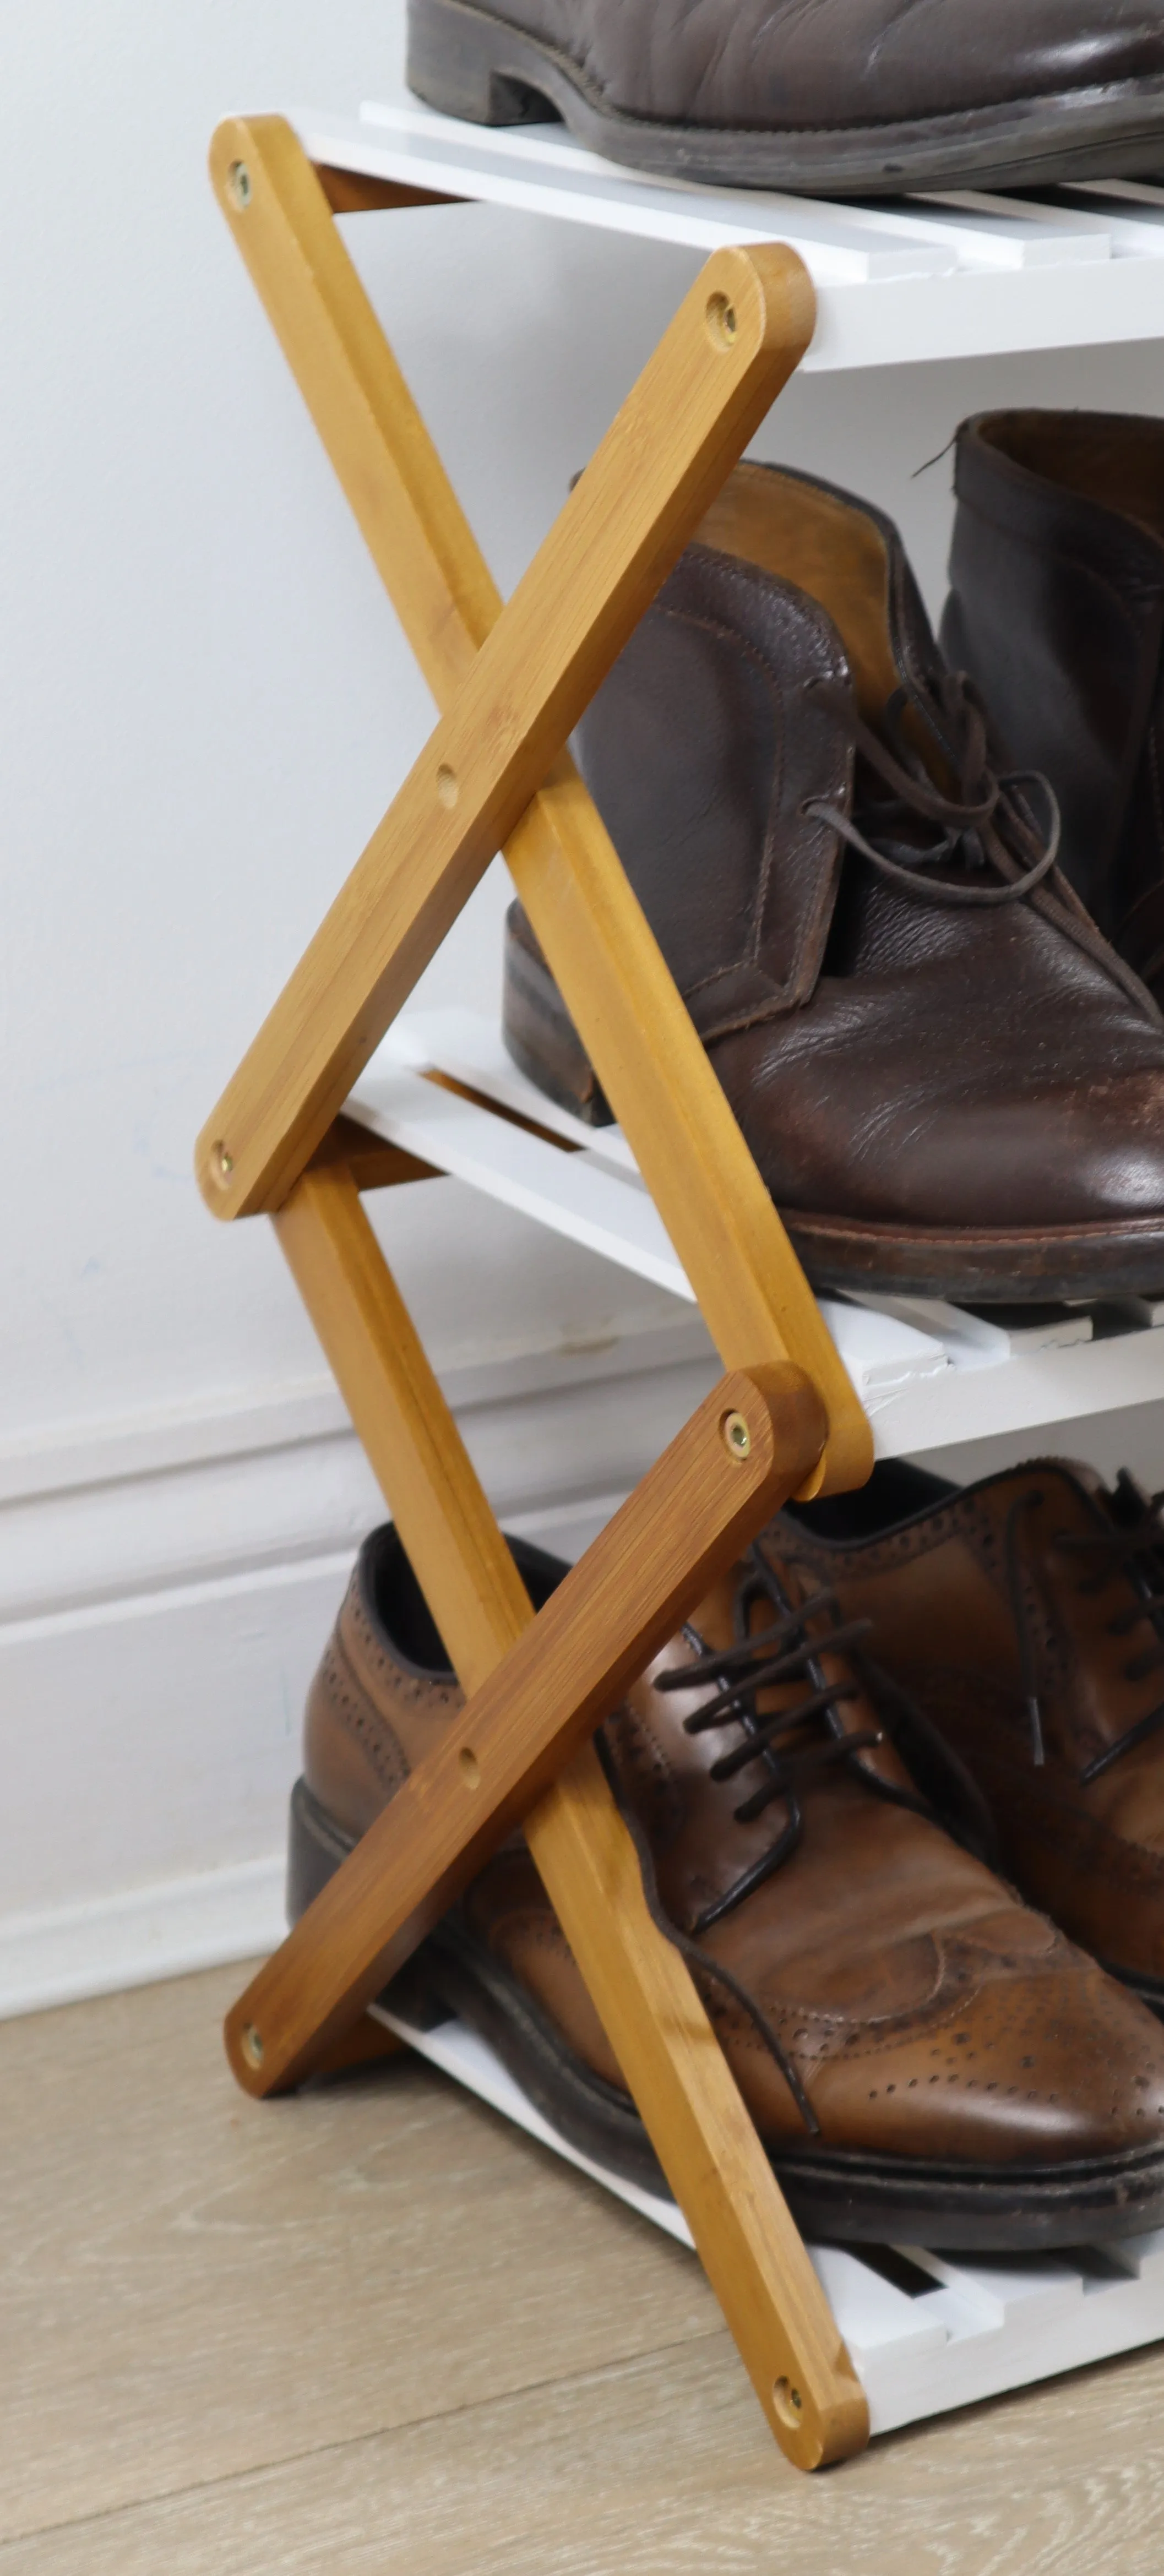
(205, 704)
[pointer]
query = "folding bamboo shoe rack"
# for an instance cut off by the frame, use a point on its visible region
(511, 682)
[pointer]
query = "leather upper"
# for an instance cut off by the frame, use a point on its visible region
(926, 2011)
(829, 63)
(890, 1059)
(950, 1590)
(1056, 607)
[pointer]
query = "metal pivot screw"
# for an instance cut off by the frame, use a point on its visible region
(222, 1160)
(737, 1438)
(252, 2046)
(238, 186)
(788, 2402)
(721, 321)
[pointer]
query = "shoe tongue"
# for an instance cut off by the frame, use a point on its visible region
(715, 1625)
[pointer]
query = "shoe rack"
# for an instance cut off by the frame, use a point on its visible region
(309, 1121)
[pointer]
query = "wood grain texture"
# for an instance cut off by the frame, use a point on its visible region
(192, 2284)
(689, 2101)
(684, 1523)
(599, 944)
(376, 2332)
(705, 389)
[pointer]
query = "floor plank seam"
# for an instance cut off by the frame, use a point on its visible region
(352, 2443)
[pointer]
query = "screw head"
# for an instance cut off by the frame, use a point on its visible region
(788, 2402)
(252, 2046)
(238, 186)
(222, 1161)
(737, 1438)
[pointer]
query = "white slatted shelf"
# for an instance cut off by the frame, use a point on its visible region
(958, 274)
(929, 1374)
(966, 2330)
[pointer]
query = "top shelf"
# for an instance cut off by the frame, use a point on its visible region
(962, 275)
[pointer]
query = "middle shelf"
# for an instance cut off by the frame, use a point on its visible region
(928, 1374)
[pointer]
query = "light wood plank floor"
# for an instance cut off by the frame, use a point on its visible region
(371, 2329)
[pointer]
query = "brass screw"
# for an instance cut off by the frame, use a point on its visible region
(788, 2402)
(222, 1160)
(737, 1438)
(470, 1768)
(238, 186)
(447, 785)
(721, 321)
(252, 2046)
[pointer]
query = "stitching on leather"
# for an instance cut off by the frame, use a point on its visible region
(751, 653)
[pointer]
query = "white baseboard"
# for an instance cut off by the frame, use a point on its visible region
(140, 1934)
(167, 1585)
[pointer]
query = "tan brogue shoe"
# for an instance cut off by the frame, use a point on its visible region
(924, 2057)
(1025, 1617)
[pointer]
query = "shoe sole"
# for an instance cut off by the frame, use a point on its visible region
(966, 1266)
(838, 2196)
(471, 65)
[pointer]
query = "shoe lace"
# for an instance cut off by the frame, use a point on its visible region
(780, 1652)
(982, 825)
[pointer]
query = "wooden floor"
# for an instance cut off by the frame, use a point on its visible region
(372, 2329)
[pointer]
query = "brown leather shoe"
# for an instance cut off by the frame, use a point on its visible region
(837, 97)
(924, 2058)
(950, 1083)
(1025, 1616)
(1056, 608)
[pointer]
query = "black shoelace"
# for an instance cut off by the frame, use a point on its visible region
(1133, 1548)
(983, 826)
(781, 1652)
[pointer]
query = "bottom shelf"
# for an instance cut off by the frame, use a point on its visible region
(926, 2332)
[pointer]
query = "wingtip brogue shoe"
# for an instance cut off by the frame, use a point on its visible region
(924, 2057)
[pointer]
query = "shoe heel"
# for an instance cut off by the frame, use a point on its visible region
(540, 1035)
(452, 64)
(314, 1851)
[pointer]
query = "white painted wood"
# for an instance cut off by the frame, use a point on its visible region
(982, 2329)
(136, 1935)
(962, 274)
(929, 1374)
(573, 1194)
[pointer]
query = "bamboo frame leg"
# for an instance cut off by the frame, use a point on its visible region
(748, 2243)
(512, 682)
(679, 432)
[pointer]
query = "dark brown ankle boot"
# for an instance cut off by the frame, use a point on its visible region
(950, 1083)
(1056, 609)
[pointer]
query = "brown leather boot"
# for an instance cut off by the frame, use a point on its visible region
(950, 1083)
(840, 97)
(924, 2058)
(1025, 1617)
(1056, 608)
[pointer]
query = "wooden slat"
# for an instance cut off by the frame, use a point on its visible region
(645, 1563)
(374, 1164)
(355, 192)
(623, 999)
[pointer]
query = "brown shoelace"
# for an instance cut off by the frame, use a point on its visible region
(984, 828)
(781, 1652)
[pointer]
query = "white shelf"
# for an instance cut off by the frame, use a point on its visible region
(927, 1374)
(957, 275)
(966, 2331)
